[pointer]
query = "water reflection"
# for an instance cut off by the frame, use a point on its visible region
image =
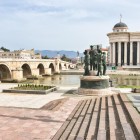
(60, 80)
(125, 80)
(75, 80)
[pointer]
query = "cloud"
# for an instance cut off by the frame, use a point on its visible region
(63, 24)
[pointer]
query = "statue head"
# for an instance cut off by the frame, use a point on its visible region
(85, 52)
(91, 47)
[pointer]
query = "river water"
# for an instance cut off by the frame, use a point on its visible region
(59, 80)
(74, 80)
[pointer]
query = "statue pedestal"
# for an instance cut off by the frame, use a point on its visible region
(94, 85)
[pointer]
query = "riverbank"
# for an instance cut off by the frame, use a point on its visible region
(108, 72)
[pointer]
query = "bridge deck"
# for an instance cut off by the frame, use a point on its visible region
(104, 118)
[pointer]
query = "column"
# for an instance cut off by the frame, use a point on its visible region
(17, 74)
(48, 71)
(113, 53)
(131, 53)
(35, 71)
(119, 53)
(138, 53)
(57, 61)
(125, 53)
(110, 54)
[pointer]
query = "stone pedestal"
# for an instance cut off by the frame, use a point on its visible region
(93, 85)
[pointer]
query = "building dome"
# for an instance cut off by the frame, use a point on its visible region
(120, 24)
(120, 27)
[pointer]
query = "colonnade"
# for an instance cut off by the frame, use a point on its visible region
(125, 53)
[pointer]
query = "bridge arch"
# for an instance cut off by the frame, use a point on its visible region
(41, 69)
(26, 70)
(65, 66)
(52, 68)
(5, 72)
(60, 66)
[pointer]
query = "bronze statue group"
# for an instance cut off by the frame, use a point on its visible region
(96, 59)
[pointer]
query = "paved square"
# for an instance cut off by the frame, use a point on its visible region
(22, 119)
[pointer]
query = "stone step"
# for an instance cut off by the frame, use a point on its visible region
(73, 121)
(102, 122)
(133, 115)
(112, 120)
(79, 122)
(66, 123)
(128, 133)
(119, 131)
(84, 127)
(105, 118)
(92, 126)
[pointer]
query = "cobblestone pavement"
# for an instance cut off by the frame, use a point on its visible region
(22, 119)
(33, 124)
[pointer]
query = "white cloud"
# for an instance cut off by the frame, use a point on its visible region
(63, 24)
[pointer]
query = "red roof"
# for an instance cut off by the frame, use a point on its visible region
(104, 49)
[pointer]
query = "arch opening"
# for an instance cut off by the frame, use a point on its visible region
(26, 70)
(41, 69)
(4, 72)
(65, 66)
(52, 68)
(60, 67)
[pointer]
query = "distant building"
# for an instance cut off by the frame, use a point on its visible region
(124, 47)
(20, 54)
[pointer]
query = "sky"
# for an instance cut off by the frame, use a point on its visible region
(63, 24)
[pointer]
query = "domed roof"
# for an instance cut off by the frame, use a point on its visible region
(120, 24)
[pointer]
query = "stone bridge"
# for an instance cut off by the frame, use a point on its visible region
(19, 69)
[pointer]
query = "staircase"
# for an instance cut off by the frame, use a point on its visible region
(105, 118)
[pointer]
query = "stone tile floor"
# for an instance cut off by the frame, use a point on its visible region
(31, 124)
(22, 119)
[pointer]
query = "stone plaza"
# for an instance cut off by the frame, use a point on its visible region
(53, 116)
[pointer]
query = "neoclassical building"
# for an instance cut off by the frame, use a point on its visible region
(124, 47)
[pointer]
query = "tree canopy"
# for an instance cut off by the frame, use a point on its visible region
(4, 49)
(45, 57)
(64, 58)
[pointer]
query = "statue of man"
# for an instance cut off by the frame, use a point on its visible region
(86, 61)
(93, 58)
(99, 62)
(104, 63)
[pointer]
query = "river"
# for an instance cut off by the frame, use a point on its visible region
(74, 80)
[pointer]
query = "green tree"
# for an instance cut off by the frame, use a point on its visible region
(4, 49)
(45, 57)
(64, 58)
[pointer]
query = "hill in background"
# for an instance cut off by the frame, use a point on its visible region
(53, 53)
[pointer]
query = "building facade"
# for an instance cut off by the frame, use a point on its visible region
(124, 47)
(20, 54)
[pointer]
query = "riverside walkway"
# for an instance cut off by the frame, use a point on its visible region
(63, 116)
